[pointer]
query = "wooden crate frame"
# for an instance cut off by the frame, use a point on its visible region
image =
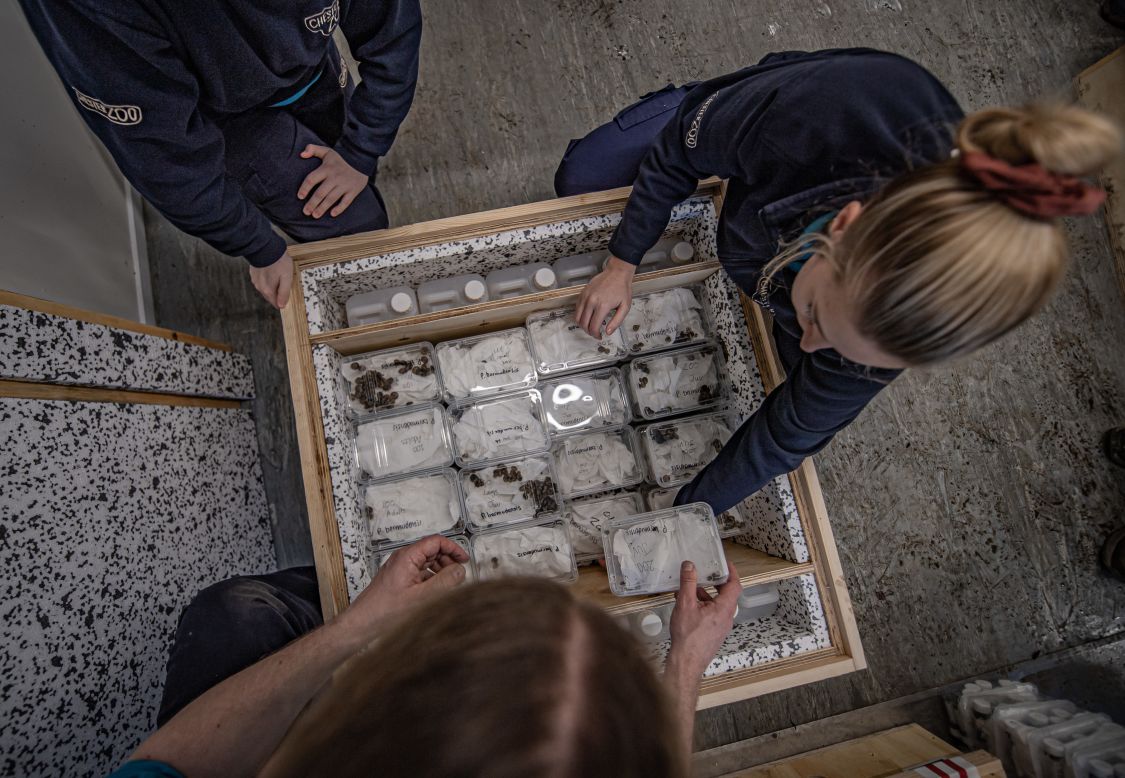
(845, 653)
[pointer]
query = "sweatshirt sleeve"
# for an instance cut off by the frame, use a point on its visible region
(798, 418)
(384, 36)
(142, 103)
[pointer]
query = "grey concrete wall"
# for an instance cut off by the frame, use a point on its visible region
(65, 233)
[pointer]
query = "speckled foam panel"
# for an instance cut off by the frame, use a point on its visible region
(43, 347)
(328, 287)
(797, 627)
(112, 517)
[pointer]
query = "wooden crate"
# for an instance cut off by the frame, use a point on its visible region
(813, 635)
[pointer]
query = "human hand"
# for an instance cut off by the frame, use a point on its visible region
(334, 183)
(412, 574)
(701, 622)
(607, 290)
(274, 282)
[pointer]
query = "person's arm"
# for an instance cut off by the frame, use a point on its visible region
(232, 729)
(384, 36)
(700, 623)
(141, 101)
(796, 420)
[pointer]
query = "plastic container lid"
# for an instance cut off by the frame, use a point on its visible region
(675, 382)
(677, 450)
(667, 319)
(559, 345)
(644, 553)
(508, 492)
(401, 510)
(500, 428)
(486, 365)
(584, 402)
(587, 517)
(540, 548)
(544, 278)
(474, 290)
(401, 302)
(406, 441)
(682, 252)
(651, 624)
(382, 381)
(596, 462)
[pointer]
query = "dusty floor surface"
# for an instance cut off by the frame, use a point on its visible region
(968, 502)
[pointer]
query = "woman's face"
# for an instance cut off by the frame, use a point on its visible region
(827, 314)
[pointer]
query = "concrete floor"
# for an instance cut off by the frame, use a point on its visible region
(968, 501)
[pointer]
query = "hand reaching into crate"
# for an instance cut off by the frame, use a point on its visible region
(608, 290)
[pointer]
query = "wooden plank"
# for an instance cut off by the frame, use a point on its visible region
(367, 244)
(754, 567)
(739, 685)
(1100, 88)
(57, 309)
(988, 766)
(811, 508)
(874, 756)
(328, 555)
(30, 390)
(490, 316)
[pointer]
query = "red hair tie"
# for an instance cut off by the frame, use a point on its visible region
(1032, 189)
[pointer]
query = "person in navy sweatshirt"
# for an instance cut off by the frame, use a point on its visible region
(228, 115)
(880, 227)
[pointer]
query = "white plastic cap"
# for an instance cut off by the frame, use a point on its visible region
(474, 290)
(401, 302)
(544, 278)
(651, 624)
(683, 252)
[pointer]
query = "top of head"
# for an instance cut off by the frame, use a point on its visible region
(937, 265)
(511, 677)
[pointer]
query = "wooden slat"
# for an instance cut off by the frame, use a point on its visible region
(328, 555)
(772, 677)
(367, 244)
(66, 311)
(988, 766)
(491, 316)
(29, 390)
(754, 567)
(1100, 88)
(874, 756)
(811, 508)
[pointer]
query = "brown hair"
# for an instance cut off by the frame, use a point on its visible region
(504, 679)
(936, 264)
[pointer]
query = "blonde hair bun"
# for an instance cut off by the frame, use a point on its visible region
(1062, 138)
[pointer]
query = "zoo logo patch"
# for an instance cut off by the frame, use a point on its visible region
(125, 115)
(325, 20)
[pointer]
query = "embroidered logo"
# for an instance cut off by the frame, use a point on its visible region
(693, 131)
(343, 73)
(325, 20)
(125, 115)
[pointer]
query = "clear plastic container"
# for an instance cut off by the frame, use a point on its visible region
(539, 548)
(585, 402)
(380, 305)
(677, 450)
(644, 552)
(406, 441)
(508, 282)
(597, 462)
(445, 294)
(462, 540)
(381, 381)
(587, 517)
(486, 365)
(756, 603)
(663, 320)
(731, 522)
(509, 492)
(675, 382)
(559, 345)
(499, 428)
(402, 510)
(578, 269)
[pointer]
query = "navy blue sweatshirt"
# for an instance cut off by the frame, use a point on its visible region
(795, 135)
(154, 79)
